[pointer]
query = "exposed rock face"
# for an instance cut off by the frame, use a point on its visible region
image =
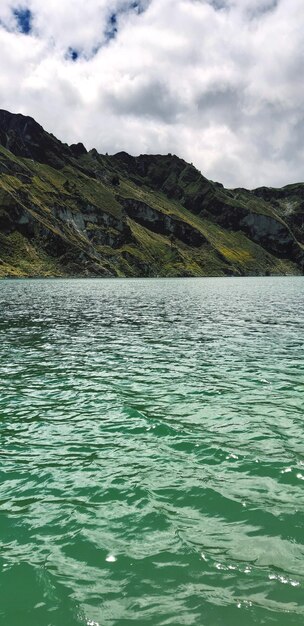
(268, 231)
(161, 223)
(288, 203)
(66, 211)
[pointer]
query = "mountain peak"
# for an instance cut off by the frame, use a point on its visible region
(24, 137)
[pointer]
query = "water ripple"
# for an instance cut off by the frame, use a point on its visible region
(152, 457)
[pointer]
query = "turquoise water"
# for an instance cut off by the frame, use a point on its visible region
(152, 452)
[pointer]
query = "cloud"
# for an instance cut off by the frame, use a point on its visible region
(217, 82)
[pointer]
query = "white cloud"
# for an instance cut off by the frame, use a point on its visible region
(217, 82)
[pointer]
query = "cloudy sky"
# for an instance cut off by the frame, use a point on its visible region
(217, 82)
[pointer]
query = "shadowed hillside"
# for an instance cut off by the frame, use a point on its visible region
(68, 212)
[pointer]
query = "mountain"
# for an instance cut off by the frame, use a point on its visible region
(68, 212)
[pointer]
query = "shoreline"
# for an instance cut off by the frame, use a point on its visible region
(23, 278)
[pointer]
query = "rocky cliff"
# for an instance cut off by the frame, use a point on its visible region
(68, 212)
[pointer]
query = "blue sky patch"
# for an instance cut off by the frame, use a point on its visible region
(24, 20)
(110, 32)
(111, 29)
(73, 54)
(136, 6)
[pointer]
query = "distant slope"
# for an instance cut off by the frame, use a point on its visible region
(68, 212)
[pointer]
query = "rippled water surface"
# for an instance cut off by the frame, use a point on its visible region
(152, 452)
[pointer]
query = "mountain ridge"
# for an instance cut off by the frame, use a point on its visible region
(66, 211)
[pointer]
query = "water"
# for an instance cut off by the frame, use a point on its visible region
(152, 452)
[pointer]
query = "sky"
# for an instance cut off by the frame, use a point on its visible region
(217, 82)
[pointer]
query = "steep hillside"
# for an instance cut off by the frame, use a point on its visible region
(68, 212)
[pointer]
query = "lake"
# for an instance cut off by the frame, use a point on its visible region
(152, 452)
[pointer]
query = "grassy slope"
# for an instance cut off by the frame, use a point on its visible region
(39, 190)
(232, 248)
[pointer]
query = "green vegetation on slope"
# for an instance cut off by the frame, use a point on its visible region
(64, 211)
